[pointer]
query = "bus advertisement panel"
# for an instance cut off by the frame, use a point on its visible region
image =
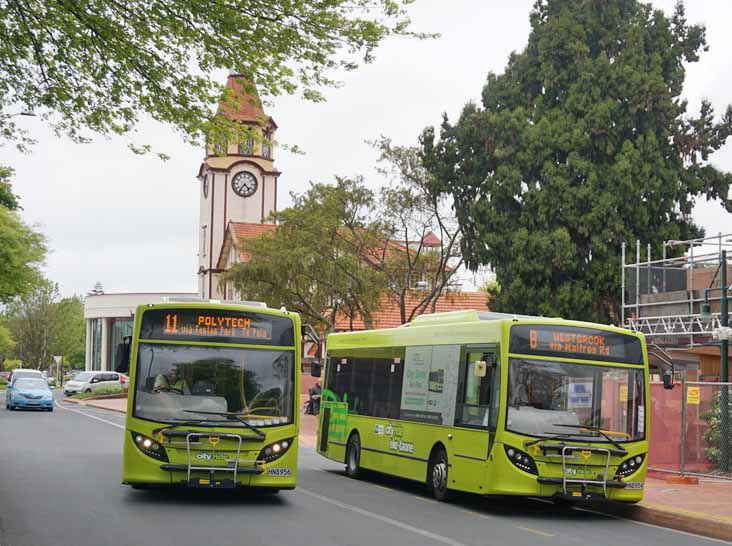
(213, 397)
(491, 405)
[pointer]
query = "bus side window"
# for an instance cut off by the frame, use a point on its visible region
(474, 390)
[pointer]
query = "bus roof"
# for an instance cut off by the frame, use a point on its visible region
(469, 315)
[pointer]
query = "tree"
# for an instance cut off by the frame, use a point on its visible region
(34, 326)
(98, 289)
(583, 143)
(312, 263)
(419, 255)
(22, 252)
(70, 336)
(98, 65)
(7, 198)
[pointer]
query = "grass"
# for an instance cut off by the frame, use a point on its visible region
(100, 392)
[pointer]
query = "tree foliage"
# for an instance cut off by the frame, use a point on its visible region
(43, 325)
(7, 198)
(99, 65)
(22, 251)
(583, 143)
(312, 262)
(418, 223)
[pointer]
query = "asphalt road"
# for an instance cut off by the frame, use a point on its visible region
(59, 485)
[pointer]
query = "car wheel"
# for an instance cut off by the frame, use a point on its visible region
(353, 457)
(88, 390)
(437, 476)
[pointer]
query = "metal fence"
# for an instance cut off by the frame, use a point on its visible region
(690, 431)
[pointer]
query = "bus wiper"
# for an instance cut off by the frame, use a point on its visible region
(189, 422)
(599, 431)
(236, 416)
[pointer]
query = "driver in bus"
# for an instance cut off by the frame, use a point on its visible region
(171, 383)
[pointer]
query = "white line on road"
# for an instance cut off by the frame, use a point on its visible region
(384, 519)
(89, 416)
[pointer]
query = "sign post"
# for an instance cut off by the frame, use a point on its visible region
(59, 374)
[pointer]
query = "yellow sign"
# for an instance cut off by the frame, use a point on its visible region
(586, 454)
(623, 393)
(213, 440)
(692, 395)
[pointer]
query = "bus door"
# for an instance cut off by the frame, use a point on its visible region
(476, 402)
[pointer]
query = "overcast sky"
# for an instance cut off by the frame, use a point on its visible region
(130, 222)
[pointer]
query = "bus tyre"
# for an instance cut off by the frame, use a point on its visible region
(353, 457)
(437, 476)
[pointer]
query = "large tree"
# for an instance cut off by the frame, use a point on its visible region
(99, 65)
(22, 251)
(583, 143)
(32, 319)
(312, 263)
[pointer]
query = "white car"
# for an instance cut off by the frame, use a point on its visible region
(92, 382)
(25, 372)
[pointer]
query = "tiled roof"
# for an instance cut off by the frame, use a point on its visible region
(250, 229)
(388, 316)
(246, 105)
(239, 230)
(430, 240)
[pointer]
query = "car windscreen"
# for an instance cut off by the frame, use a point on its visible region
(192, 382)
(83, 376)
(28, 383)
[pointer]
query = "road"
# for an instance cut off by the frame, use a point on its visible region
(59, 485)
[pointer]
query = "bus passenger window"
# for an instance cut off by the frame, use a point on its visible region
(474, 392)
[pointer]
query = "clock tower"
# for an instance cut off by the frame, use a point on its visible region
(237, 180)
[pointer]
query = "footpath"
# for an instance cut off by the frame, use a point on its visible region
(704, 508)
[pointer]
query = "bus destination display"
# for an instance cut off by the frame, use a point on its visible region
(216, 325)
(575, 342)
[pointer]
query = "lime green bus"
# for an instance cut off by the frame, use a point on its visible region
(213, 397)
(493, 404)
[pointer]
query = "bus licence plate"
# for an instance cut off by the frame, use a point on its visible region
(634, 485)
(279, 472)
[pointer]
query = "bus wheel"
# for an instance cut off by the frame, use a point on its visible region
(437, 476)
(353, 456)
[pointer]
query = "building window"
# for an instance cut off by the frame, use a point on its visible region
(246, 147)
(119, 328)
(96, 344)
(267, 145)
(203, 241)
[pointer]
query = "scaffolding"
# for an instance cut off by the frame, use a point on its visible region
(662, 298)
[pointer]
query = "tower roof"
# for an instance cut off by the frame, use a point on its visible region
(243, 103)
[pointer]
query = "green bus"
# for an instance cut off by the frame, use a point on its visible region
(493, 404)
(213, 397)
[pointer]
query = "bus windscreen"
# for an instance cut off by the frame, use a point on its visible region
(217, 325)
(575, 342)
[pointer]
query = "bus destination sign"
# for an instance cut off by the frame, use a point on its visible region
(216, 325)
(575, 342)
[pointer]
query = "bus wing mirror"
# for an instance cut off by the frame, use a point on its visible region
(316, 369)
(668, 380)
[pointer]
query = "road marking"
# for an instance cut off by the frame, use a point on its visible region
(535, 531)
(384, 519)
(89, 415)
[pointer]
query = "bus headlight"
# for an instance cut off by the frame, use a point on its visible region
(629, 466)
(274, 451)
(521, 460)
(149, 447)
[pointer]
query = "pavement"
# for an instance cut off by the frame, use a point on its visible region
(326, 508)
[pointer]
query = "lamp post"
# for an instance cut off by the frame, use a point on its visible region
(723, 334)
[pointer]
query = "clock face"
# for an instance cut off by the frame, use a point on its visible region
(205, 187)
(244, 184)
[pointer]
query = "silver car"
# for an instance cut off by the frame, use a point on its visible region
(92, 382)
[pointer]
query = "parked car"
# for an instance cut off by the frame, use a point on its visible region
(24, 373)
(125, 379)
(29, 393)
(5, 375)
(92, 382)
